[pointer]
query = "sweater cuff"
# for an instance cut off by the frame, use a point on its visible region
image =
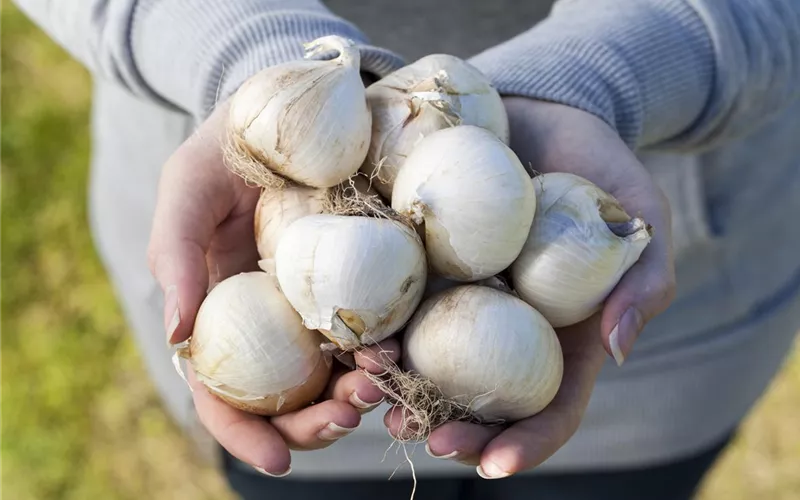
(645, 67)
(194, 57)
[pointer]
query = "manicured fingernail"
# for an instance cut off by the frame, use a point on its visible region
(451, 455)
(171, 304)
(332, 432)
(624, 335)
(282, 474)
(361, 404)
(491, 471)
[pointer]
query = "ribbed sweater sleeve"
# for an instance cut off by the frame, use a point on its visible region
(191, 53)
(682, 74)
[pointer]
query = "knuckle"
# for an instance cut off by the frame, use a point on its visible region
(570, 422)
(664, 293)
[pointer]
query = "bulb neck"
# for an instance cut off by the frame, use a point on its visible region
(612, 212)
(436, 92)
(348, 53)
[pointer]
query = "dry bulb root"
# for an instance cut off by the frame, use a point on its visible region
(424, 407)
(244, 163)
(352, 197)
(379, 172)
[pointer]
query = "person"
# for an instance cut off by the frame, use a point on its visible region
(688, 103)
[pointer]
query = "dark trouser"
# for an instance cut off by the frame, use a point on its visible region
(673, 481)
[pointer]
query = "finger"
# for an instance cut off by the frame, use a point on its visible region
(194, 196)
(317, 426)
(355, 388)
(646, 289)
(530, 442)
(404, 425)
(460, 441)
(374, 358)
(250, 438)
(396, 422)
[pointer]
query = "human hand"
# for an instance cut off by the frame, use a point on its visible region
(202, 233)
(556, 138)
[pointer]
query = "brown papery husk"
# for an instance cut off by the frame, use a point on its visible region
(245, 163)
(424, 407)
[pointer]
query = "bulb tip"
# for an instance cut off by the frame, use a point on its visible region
(345, 48)
(635, 228)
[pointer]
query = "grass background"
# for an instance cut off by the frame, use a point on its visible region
(80, 420)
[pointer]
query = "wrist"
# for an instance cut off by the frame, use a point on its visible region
(193, 56)
(644, 68)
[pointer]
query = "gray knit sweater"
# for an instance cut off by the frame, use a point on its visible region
(705, 91)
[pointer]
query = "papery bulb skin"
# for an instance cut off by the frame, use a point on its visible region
(473, 198)
(307, 121)
(249, 348)
(278, 208)
(435, 92)
(580, 245)
(486, 349)
(356, 279)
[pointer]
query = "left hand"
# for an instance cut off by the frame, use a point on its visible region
(202, 234)
(556, 138)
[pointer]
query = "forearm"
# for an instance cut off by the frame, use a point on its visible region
(190, 53)
(677, 73)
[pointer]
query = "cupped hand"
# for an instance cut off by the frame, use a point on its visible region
(202, 233)
(550, 137)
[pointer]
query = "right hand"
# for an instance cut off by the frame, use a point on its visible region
(203, 233)
(557, 138)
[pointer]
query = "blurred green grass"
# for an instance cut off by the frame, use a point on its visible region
(79, 418)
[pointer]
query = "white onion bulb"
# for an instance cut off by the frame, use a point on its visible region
(305, 120)
(278, 208)
(486, 349)
(474, 198)
(249, 347)
(356, 279)
(435, 92)
(581, 244)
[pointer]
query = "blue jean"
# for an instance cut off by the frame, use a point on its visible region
(676, 480)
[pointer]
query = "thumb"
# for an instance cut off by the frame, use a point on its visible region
(195, 195)
(645, 291)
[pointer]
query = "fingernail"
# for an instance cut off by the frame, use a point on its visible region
(332, 432)
(361, 404)
(171, 304)
(491, 471)
(282, 474)
(451, 455)
(624, 335)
